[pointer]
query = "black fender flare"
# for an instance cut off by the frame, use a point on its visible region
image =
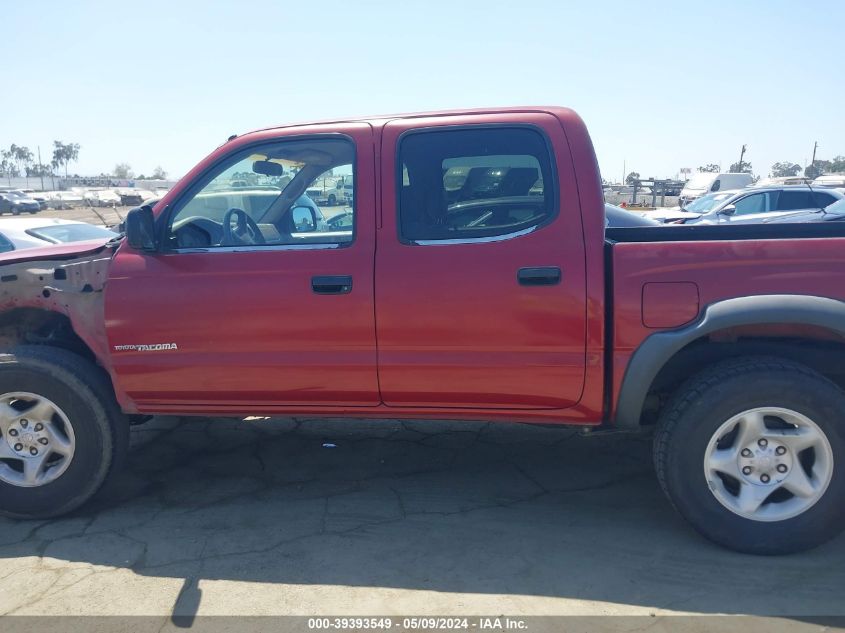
(654, 352)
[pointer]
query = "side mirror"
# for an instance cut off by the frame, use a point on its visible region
(728, 210)
(140, 228)
(304, 220)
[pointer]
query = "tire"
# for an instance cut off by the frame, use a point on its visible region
(82, 393)
(332, 200)
(16, 211)
(790, 401)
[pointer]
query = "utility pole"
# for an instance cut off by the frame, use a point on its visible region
(741, 156)
(813, 162)
(623, 172)
(40, 168)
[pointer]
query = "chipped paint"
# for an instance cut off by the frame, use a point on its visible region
(70, 285)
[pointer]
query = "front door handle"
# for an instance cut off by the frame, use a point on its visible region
(542, 276)
(332, 284)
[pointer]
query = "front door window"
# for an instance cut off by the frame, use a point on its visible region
(284, 193)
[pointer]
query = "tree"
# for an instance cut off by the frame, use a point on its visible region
(784, 169)
(64, 153)
(812, 171)
(711, 168)
(159, 174)
(7, 166)
(837, 165)
(822, 167)
(737, 168)
(122, 171)
(36, 170)
(21, 156)
(632, 177)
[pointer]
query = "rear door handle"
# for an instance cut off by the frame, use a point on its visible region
(332, 284)
(543, 276)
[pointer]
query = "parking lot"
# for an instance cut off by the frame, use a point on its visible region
(289, 516)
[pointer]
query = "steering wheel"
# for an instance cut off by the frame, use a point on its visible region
(244, 232)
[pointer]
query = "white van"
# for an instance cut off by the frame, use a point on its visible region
(702, 183)
(830, 180)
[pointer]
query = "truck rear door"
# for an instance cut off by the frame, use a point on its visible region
(480, 273)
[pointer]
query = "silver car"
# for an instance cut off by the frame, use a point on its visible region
(746, 206)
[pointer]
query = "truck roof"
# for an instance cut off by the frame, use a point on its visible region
(382, 119)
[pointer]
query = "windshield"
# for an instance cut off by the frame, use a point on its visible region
(71, 233)
(707, 203)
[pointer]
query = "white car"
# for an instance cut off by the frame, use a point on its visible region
(830, 180)
(101, 198)
(19, 233)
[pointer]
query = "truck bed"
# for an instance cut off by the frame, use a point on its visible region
(715, 232)
(666, 277)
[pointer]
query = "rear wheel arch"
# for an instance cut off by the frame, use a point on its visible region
(823, 317)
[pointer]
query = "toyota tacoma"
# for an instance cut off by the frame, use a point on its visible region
(441, 297)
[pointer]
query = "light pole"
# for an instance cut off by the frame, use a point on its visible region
(40, 168)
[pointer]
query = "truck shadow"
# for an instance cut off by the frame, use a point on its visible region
(488, 509)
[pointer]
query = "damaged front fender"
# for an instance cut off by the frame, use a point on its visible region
(61, 280)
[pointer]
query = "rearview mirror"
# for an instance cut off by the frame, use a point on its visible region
(728, 210)
(304, 219)
(267, 168)
(140, 228)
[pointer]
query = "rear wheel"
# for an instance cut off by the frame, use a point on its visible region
(61, 432)
(751, 452)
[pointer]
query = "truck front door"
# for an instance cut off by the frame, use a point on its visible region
(254, 300)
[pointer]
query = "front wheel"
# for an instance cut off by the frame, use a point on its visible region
(61, 432)
(752, 454)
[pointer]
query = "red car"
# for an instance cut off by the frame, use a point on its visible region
(441, 298)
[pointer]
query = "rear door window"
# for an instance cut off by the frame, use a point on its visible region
(474, 184)
(823, 199)
(794, 200)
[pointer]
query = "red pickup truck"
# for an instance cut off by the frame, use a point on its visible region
(472, 277)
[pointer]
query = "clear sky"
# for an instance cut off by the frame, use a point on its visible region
(660, 85)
